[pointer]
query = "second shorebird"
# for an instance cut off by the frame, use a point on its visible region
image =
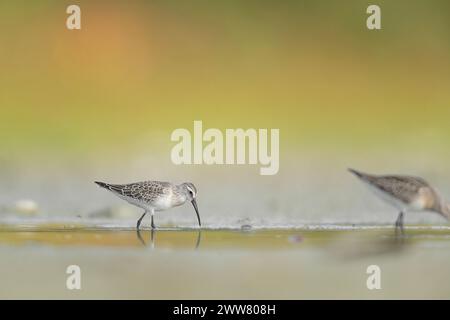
(406, 193)
(154, 196)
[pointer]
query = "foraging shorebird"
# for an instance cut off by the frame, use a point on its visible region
(406, 193)
(154, 196)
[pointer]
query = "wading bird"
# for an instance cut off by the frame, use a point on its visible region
(406, 193)
(154, 196)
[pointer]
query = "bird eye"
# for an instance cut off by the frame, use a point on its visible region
(191, 192)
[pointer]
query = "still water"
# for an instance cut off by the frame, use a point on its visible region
(311, 261)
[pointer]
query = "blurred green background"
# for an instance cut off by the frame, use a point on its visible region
(140, 69)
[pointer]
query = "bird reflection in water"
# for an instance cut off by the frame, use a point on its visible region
(153, 236)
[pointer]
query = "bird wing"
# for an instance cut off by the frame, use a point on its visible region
(405, 188)
(145, 191)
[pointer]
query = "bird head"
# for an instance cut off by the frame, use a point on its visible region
(191, 193)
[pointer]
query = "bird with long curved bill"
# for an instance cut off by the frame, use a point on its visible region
(154, 196)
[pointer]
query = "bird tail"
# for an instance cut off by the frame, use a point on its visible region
(356, 173)
(116, 188)
(102, 184)
(361, 175)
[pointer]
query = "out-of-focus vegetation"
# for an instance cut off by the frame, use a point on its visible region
(140, 69)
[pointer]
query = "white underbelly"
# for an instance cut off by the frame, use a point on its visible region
(161, 204)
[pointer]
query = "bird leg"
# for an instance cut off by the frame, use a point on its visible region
(399, 222)
(140, 219)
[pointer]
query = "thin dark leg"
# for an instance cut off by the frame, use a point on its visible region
(399, 222)
(140, 219)
(153, 224)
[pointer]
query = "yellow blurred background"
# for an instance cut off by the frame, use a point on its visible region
(140, 69)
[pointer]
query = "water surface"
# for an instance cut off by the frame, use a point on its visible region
(310, 261)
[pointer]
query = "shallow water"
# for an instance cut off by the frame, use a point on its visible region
(311, 261)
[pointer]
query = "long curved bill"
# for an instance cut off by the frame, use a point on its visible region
(194, 203)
